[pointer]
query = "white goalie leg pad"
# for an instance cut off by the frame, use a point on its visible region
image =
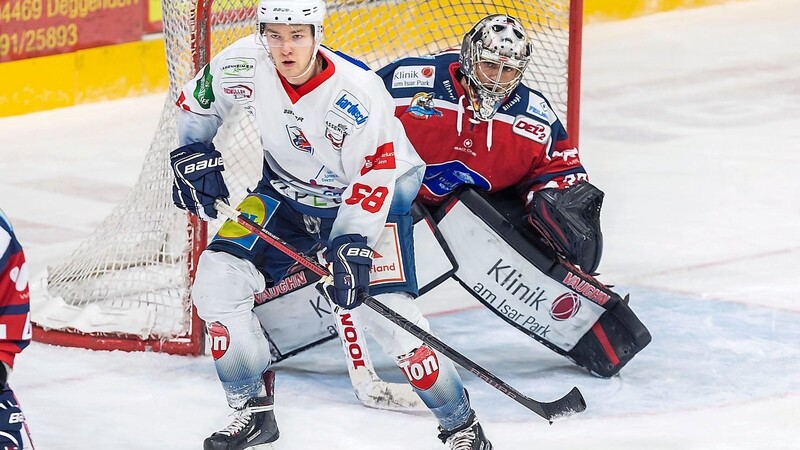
(394, 340)
(224, 285)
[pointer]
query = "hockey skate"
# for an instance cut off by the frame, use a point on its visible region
(253, 427)
(466, 437)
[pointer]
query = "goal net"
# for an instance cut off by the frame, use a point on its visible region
(127, 286)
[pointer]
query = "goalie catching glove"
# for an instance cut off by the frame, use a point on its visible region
(349, 261)
(198, 179)
(569, 220)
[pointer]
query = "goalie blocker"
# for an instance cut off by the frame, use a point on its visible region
(534, 290)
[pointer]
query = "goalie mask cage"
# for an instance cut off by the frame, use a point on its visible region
(127, 286)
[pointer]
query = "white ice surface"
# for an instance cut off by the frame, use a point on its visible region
(690, 124)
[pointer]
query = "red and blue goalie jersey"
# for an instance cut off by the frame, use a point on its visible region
(524, 145)
(15, 325)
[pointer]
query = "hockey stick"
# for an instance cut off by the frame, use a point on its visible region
(569, 404)
(24, 426)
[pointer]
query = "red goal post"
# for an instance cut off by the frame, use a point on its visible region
(127, 286)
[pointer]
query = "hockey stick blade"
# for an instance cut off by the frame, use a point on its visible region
(370, 389)
(570, 404)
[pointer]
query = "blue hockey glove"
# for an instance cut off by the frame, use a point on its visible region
(11, 420)
(350, 260)
(198, 179)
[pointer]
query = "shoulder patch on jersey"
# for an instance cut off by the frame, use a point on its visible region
(353, 109)
(238, 68)
(382, 159)
(243, 92)
(532, 129)
(337, 128)
(538, 107)
(422, 106)
(413, 77)
(203, 91)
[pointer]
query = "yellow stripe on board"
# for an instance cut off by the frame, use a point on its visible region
(102, 73)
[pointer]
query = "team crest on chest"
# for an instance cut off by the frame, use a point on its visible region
(422, 106)
(298, 139)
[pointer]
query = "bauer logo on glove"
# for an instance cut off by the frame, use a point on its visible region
(199, 166)
(362, 252)
(198, 179)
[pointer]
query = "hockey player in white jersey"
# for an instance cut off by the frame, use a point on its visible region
(339, 173)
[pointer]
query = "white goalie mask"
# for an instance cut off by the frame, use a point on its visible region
(292, 12)
(494, 55)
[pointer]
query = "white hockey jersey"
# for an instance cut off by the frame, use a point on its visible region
(332, 147)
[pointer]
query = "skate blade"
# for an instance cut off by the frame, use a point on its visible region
(268, 446)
